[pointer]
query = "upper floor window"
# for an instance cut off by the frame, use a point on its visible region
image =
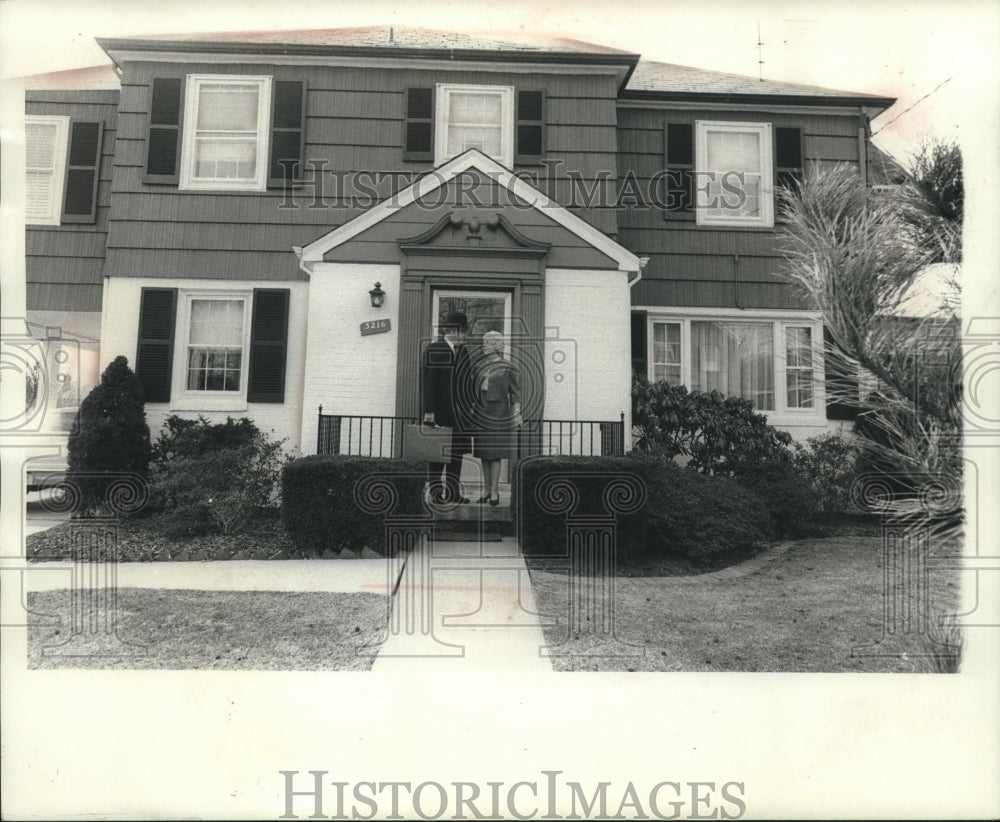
(734, 174)
(226, 145)
(46, 140)
(480, 117)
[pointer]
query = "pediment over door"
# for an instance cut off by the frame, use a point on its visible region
(474, 233)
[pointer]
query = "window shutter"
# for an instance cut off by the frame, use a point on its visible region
(640, 361)
(787, 157)
(288, 116)
(82, 168)
(419, 125)
(841, 387)
(678, 158)
(155, 358)
(530, 134)
(164, 138)
(268, 345)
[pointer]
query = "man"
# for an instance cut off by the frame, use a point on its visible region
(447, 381)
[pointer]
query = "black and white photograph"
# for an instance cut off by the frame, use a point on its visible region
(558, 411)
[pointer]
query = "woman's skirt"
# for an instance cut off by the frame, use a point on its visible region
(494, 437)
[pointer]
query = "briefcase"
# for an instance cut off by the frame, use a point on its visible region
(427, 443)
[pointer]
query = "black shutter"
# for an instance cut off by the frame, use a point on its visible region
(787, 160)
(164, 138)
(268, 345)
(419, 125)
(842, 387)
(640, 363)
(155, 358)
(678, 157)
(80, 202)
(530, 134)
(288, 116)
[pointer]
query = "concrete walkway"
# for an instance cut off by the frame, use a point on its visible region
(464, 605)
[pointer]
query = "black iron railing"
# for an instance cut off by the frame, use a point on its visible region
(372, 436)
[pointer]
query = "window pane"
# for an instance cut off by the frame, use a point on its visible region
(463, 138)
(799, 367)
(733, 151)
(225, 157)
(216, 322)
(40, 145)
(734, 358)
(800, 388)
(477, 109)
(798, 343)
(225, 107)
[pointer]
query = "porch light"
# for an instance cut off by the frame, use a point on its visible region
(377, 295)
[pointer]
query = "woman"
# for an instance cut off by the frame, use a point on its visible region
(498, 412)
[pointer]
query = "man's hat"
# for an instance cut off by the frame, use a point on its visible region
(456, 319)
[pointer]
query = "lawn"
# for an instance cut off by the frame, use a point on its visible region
(210, 630)
(805, 610)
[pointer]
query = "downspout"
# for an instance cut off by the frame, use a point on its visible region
(736, 281)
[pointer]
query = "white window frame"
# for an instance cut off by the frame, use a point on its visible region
(783, 413)
(184, 399)
(766, 217)
(188, 180)
(507, 122)
(53, 215)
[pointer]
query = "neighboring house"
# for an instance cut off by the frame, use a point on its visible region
(264, 223)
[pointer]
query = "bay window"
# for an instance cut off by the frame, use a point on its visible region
(773, 362)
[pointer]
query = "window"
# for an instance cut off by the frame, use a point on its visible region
(734, 174)
(750, 358)
(226, 145)
(799, 375)
(215, 345)
(480, 117)
(46, 141)
(667, 352)
(213, 350)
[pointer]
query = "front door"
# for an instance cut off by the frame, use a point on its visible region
(485, 311)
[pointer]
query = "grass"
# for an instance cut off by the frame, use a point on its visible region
(208, 630)
(803, 611)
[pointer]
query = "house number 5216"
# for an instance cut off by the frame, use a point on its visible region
(374, 327)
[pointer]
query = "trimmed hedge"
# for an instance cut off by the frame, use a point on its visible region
(319, 509)
(686, 513)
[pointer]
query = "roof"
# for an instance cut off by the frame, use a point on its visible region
(89, 78)
(644, 79)
(671, 81)
(883, 169)
(392, 37)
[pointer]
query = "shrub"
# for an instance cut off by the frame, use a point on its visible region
(696, 515)
(784, 493)
(829, 462)
(686, 513)
(718, 433)
(213, 477)
(319, 508)
(542, 533)
(110, 434)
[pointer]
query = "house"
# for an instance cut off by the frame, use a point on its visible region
(269, 222)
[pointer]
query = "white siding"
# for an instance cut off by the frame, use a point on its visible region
(348, 373)
(588, 352)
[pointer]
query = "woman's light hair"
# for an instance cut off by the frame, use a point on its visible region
(493, 336)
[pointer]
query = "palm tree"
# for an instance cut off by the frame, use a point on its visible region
(857, 255)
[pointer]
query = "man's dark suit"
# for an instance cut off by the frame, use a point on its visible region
(447, 382)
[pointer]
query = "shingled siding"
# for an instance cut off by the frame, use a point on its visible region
(698, 266)
(64, 263)
(354, 123)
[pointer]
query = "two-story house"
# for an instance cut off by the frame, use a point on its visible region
(264, 223)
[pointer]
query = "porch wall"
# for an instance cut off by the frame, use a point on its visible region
(348, 373)
(588, 347)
